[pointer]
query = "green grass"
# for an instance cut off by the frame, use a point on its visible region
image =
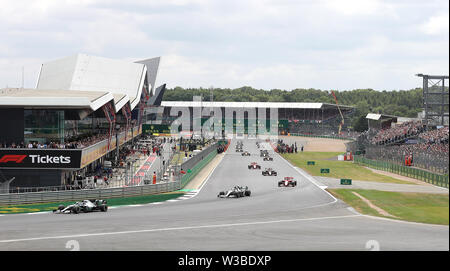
(415, 207)
(42, 207)
(338, 169)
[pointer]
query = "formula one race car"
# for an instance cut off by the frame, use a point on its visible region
(263, 153)
(239, 150)
(288, 181)
(246, 153)
(269, 172)
(267, 158)
(254, 165)
(237, 192)
(84, 206)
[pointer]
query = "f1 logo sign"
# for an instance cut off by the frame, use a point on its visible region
(18, 158)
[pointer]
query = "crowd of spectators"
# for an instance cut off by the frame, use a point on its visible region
(283, 147)
(435, 136)
(74, 142)
(398, 132)
(430, 149)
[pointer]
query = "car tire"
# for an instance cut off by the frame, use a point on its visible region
(248, 193)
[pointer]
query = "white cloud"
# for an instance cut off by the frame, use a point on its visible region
(436, 25)
(359, 7)
(265, 44)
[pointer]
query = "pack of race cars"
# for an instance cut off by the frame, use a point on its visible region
(240, 191)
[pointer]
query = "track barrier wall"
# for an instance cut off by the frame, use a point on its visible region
(206, 156)
(196, 168)
(426, 176)
(77, 195)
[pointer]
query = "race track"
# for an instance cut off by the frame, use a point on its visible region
(273, 218)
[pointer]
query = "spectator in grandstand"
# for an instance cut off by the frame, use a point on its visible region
(397, 133)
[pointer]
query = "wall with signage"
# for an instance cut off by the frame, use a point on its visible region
(40, 158)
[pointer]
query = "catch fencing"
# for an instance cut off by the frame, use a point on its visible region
(429, 177)
(77, 195)
(435, 162)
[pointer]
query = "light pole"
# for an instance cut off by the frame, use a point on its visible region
(117, 144)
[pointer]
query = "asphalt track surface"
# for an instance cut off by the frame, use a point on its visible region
(272, 218)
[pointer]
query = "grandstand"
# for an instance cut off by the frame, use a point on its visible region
(83, 110)
(300, 118)
(422, 142)
(427, 145)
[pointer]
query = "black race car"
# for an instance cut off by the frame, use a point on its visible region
(84, 206)
(239, 150)
(237, 192)
(246, 153)
(267, 158)
(254, 165)
(288, 181)
(263, 153)
(269, 172)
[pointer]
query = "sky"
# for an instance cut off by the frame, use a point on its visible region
(265, 44)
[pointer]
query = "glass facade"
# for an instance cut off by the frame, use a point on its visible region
(43, 126)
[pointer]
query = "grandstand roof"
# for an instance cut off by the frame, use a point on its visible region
(373, 116)
(81, 72)
(59, 99)
(252, 105)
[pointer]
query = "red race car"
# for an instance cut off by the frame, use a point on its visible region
(254, 165)
(288, 181)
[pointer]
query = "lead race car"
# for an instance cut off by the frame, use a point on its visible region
(236, 192)
(84, 206)
(288, 181)
(254, 165)
(269, 172)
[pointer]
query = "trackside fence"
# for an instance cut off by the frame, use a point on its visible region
(77, 195)
(429, 177)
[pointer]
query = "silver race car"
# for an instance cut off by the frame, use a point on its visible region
(236, 192)
(84, 206)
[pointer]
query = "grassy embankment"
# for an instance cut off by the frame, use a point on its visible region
(415, 207)
(338, 169)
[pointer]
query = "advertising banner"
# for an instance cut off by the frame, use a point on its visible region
(40, 158)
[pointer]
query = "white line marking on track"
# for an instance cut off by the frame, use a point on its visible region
(178, 228)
